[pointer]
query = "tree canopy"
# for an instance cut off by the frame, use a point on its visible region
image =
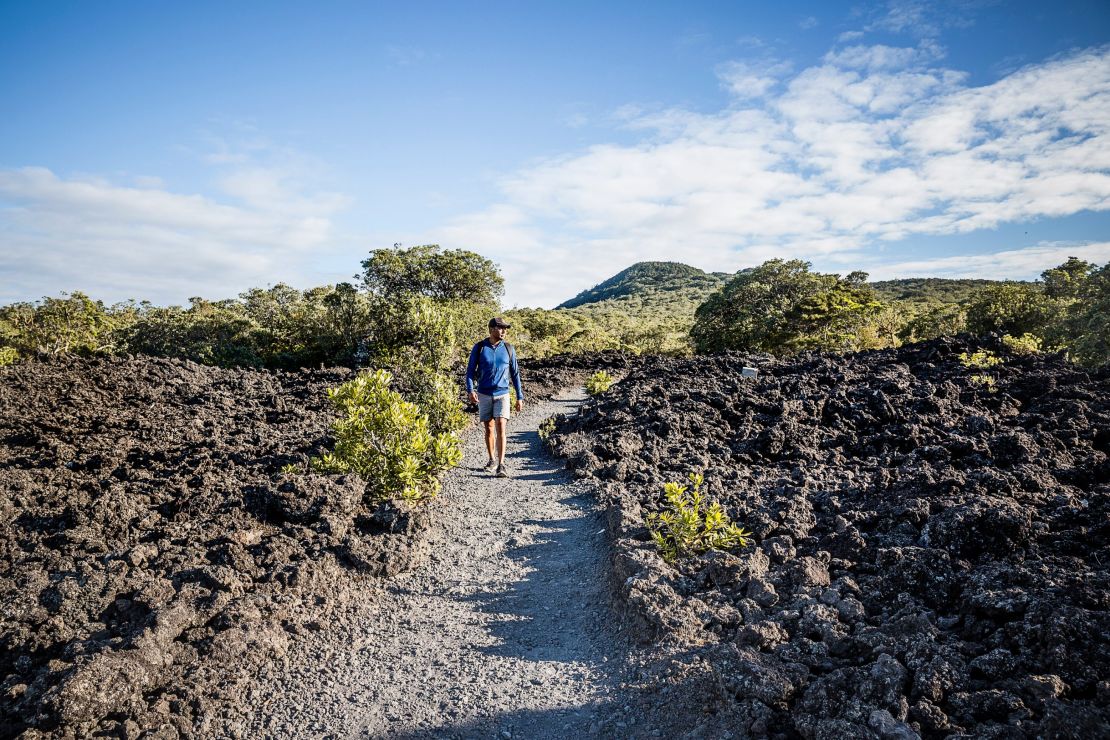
(427, 270)
(782, 307)
(1011, 308)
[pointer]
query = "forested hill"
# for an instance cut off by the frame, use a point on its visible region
(650, 282)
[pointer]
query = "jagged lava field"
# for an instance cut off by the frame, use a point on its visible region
(930, 556)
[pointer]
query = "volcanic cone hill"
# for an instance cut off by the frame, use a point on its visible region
(649, 283)
(931, 551)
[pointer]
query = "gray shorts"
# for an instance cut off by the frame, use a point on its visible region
(489, 406)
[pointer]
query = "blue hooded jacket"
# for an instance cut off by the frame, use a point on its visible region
(493, 367)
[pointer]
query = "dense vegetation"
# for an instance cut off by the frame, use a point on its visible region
(421, 304)
(926, 292)
(782, 307)
(421, 307)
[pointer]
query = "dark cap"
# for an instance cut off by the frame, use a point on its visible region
(499, 322)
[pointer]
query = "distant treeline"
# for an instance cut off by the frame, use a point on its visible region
(781, 307)
(411, 305)
(427, 302)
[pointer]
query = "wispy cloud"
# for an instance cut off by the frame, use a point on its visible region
(117, 240)
(925, 18)
(1011, 264)
(872, 146)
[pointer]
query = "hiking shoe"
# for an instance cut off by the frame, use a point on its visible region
(501, 472)
(488, 465)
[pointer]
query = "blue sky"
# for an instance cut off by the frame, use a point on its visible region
(162, 150)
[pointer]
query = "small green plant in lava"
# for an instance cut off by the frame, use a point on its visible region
(984, 381)
(599, 382)
(980, 360)
(690, 526)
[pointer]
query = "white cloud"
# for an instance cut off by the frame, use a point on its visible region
(807, 23)
(751, 80)
(871, 146)
(116, 241)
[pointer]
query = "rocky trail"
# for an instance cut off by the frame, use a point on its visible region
(507, 630)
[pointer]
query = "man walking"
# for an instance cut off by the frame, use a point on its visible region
(492, 364)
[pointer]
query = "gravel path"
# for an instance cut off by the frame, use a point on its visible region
(507, 631)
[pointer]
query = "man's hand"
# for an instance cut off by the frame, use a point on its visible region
(472, 397)
(519, 405)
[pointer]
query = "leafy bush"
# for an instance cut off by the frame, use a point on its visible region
(8, 356)
(599, 382)
(208, 332)
(980, 360)
(1026, 344)
(944, 320)
(386, 440)
(1068, 280)
(690, 526)
(413, 330)
(437, 397)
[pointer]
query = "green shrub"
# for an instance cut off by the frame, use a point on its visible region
(386, 440)
(208, 332)
(8, 356)
(1026, 344)
(437, 396)
(599, 382)
(980, 360)
(690, 526)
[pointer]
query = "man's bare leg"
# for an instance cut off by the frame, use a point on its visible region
(502, 423)
(489, 438)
